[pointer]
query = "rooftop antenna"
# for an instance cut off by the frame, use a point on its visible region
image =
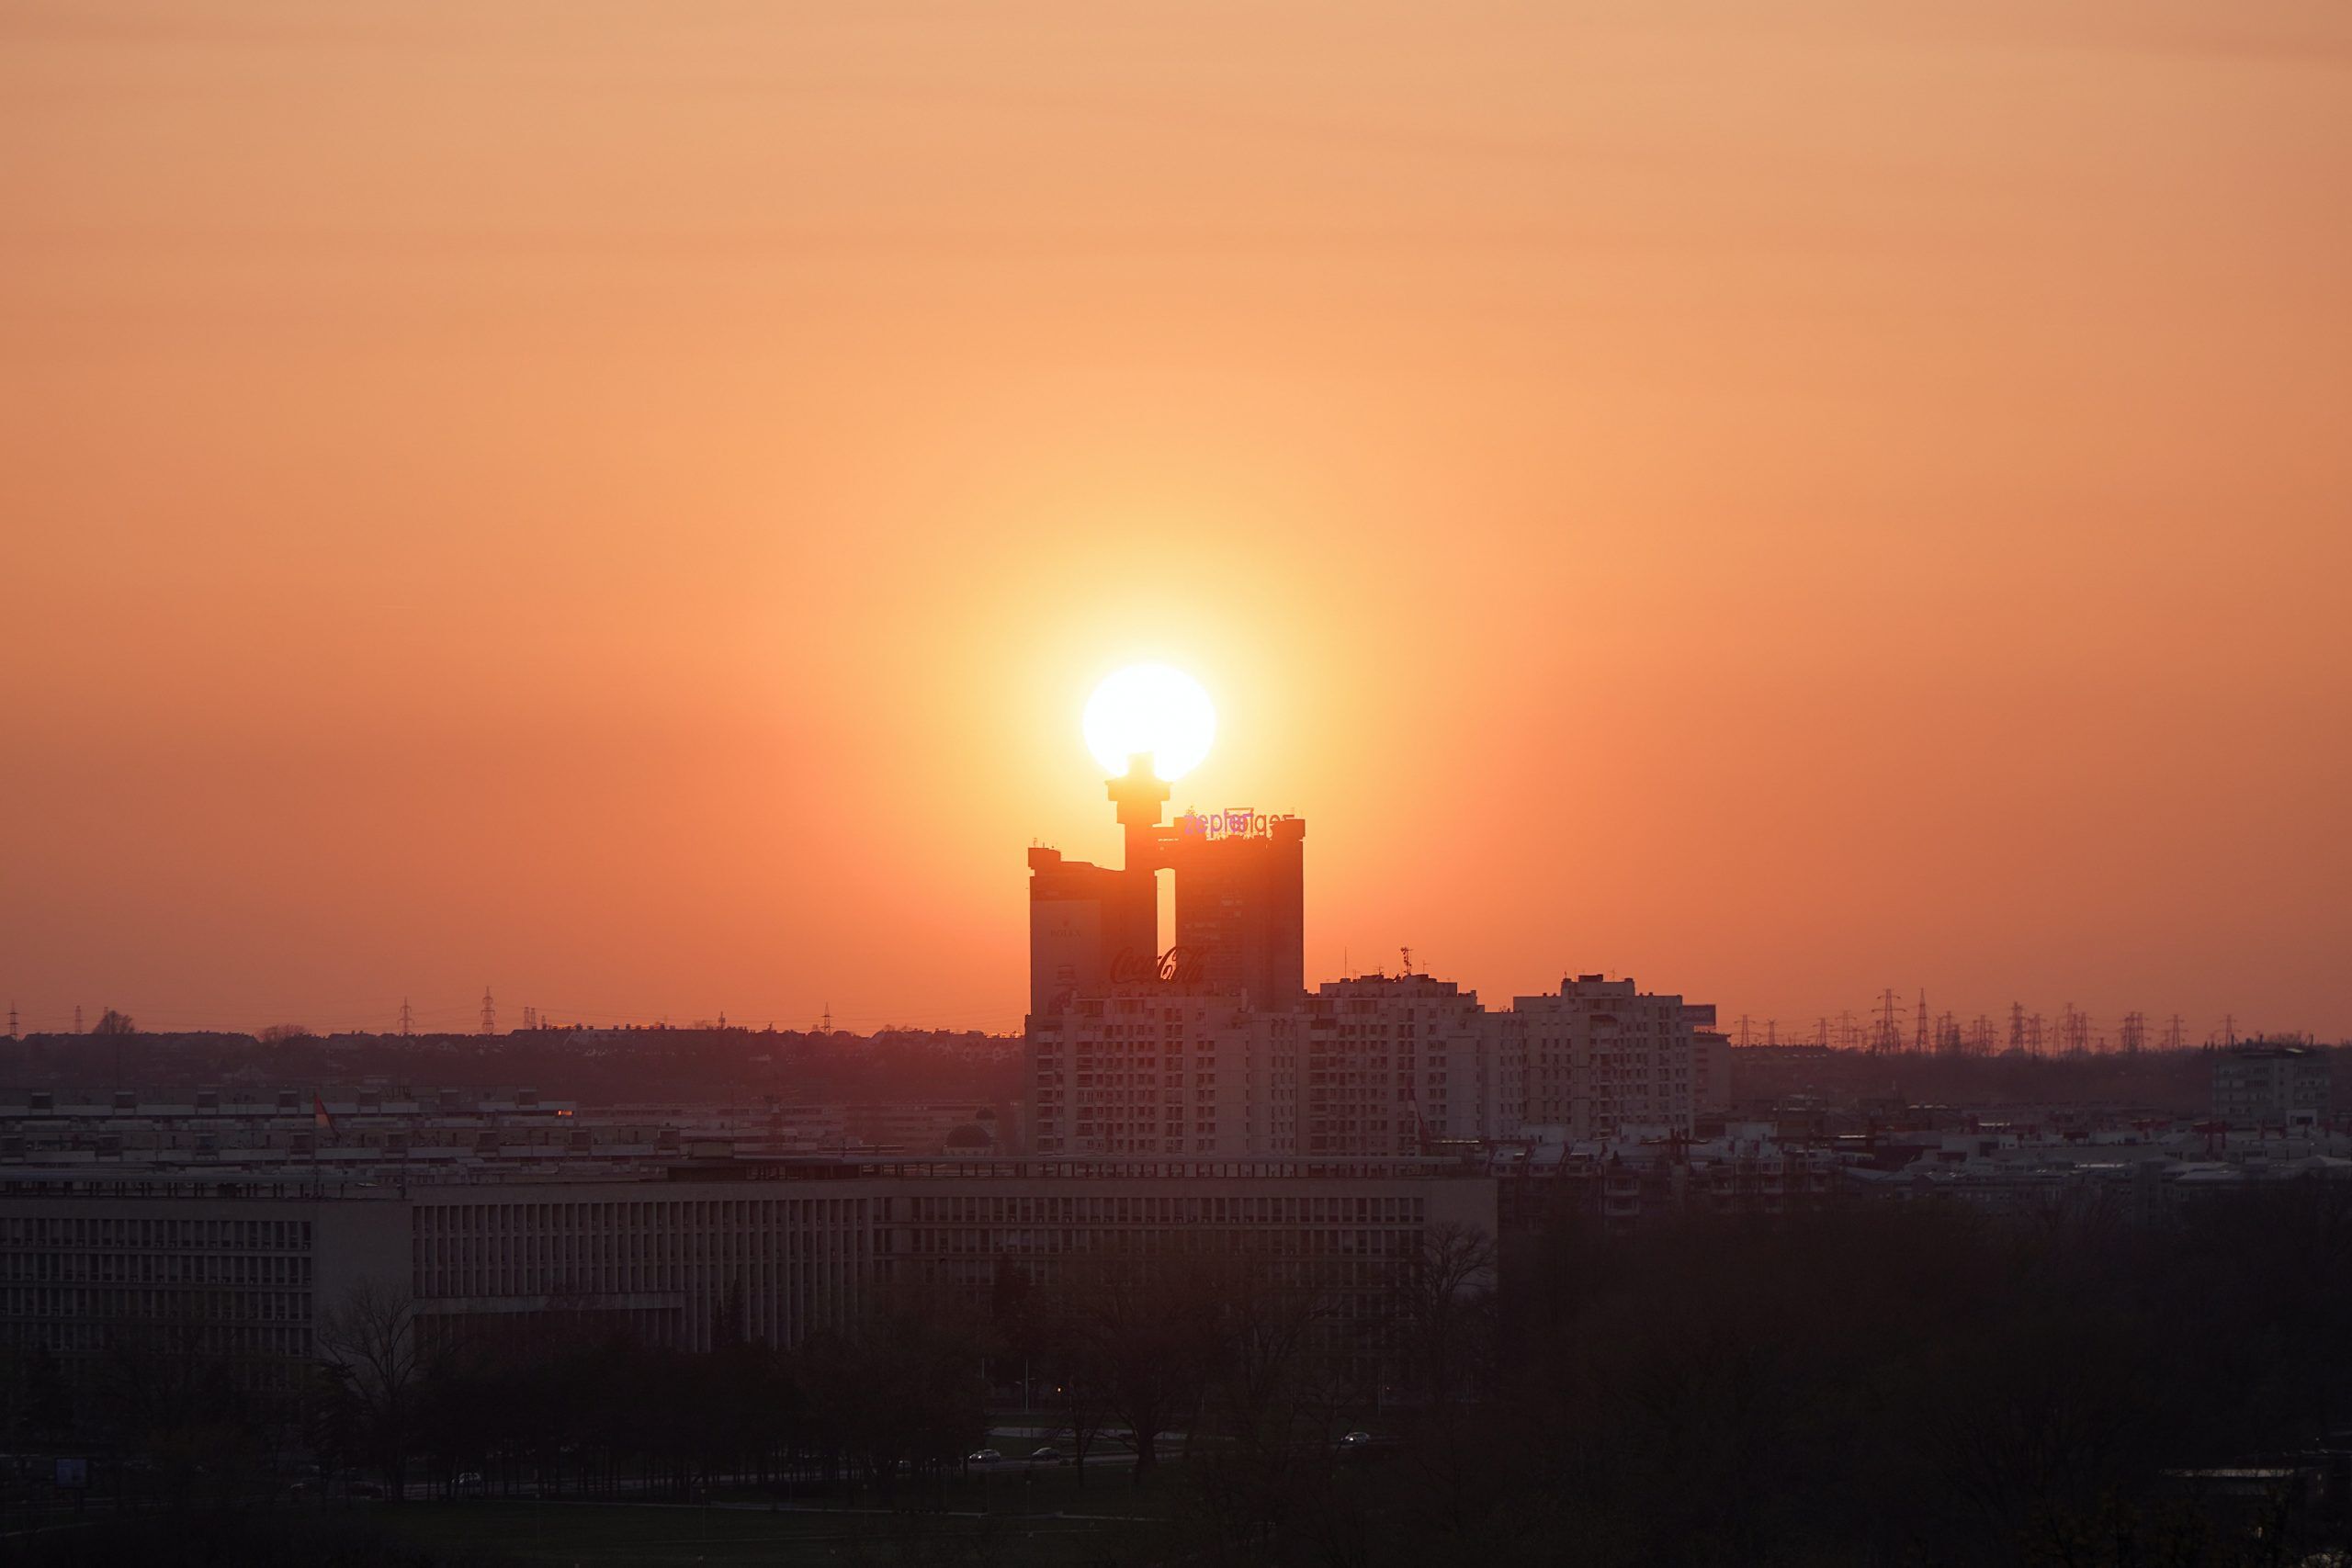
(1404, 957)
(827, 1025)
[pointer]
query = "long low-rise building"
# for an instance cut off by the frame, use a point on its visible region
(250, 1270)
(354, 1132)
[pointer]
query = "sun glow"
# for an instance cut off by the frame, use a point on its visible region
(1151, 708)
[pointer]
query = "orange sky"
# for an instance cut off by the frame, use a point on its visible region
(626, 502)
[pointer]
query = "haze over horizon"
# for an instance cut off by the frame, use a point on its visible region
(630, 513)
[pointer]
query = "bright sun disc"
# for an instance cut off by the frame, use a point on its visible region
(1151, 708)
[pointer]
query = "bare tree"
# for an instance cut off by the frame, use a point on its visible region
(1444, 1302)
(1074, 1385)
(368, 1342)
(1146, 1339)
(170, 1388)
(1272, 1399)
(898, 1393)
(1266, 1377)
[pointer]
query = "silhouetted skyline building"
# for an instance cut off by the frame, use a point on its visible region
(1240, 905)
(1082, 918)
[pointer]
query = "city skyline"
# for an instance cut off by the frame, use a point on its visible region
(1890, 1022)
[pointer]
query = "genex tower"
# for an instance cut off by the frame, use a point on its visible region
(1241, 907)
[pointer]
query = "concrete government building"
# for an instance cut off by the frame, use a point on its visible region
(92, 1263)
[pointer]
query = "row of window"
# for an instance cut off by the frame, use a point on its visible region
(265, 1357)
(1271, 1240)
(182, 1305)
(168, 1268)
(666, 1217)
(152, 1234)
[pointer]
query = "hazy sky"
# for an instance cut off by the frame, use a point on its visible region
(625, 504)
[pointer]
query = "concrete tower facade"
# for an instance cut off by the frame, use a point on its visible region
(1241, 907)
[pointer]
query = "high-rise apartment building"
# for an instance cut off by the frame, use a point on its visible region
(1372, 1067)
(1174, 1068)
(1601, 1054)
(1395, 1065)
(2270, 1086)
(1710, 1060)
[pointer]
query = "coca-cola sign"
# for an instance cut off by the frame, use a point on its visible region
(1177, 966)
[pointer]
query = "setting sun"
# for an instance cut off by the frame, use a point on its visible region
(1151, 708)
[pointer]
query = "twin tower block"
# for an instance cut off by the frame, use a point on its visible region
(1241, 907)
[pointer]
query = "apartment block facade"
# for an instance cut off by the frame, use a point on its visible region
(1369, 1067)
(2271, 1086)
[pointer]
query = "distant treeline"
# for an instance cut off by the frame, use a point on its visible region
(590, 1067)
(2178, 1083)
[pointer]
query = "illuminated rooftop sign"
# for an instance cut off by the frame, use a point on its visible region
(1233, 822)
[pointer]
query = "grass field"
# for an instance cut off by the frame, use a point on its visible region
(596, 1535)
(1015, 1488)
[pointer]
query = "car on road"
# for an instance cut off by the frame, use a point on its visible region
(1047, 1455)
(984, 1456)
(1356, 1440)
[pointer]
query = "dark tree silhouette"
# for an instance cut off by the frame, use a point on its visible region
(368, 1342)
